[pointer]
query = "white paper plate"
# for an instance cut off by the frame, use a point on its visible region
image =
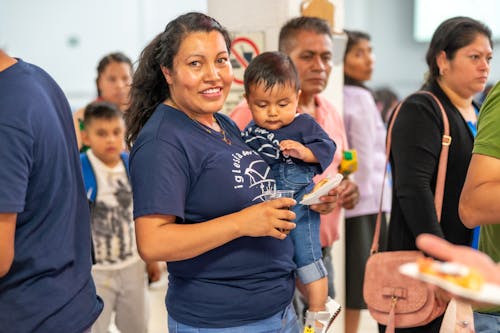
(489, 293)
(323, 190)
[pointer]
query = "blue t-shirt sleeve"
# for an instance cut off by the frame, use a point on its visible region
(316, 139)
(160, 179)
(16, 151)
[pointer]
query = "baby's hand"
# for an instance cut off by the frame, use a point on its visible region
(297, 150)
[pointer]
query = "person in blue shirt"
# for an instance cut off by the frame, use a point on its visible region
(198, 190)
(296, 148)
(45, 244)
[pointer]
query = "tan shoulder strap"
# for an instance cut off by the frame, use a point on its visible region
(441, 175)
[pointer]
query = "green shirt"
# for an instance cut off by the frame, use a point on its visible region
(487, 143)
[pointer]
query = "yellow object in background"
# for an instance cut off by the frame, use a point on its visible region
(323, 9)
(349, 162)
(309, 329)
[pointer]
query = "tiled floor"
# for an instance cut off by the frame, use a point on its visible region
(367, 324)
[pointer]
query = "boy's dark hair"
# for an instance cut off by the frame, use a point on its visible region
(101, 110)
(269, 69)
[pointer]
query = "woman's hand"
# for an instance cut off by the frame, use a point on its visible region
(445, 251)
(465, 255)
(160, 238)
(271, 218)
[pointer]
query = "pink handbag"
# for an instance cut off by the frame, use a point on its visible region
(393, 299)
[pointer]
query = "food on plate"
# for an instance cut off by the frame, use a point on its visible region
(457, 274)
(316, 187)
(321, 188)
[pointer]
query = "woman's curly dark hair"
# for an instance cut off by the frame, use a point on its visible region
(149, 87)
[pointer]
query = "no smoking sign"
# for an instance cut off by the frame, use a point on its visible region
(243, 49)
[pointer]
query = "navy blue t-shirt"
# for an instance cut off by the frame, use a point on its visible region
(179, 167)
(49, 286)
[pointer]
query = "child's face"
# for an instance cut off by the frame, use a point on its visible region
(274, 108)
(114, 83)
(106, 139)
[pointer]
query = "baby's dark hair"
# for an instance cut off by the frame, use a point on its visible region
(269, 69)
(101, 110)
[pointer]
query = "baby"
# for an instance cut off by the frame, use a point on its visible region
(296, 148)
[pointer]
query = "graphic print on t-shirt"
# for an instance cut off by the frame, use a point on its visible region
(267, 143)
(112, 223)
(252, 173)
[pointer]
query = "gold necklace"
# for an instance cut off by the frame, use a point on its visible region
(224, 137)
(171, 103)
(213, 131)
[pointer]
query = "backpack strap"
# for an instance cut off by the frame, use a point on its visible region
(89, 177)
(124, 157)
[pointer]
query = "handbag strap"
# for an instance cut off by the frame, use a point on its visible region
(441, 175)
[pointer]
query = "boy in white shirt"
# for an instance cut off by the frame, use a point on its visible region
(119, 272)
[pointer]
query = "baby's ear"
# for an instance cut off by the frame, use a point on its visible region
(299, 93)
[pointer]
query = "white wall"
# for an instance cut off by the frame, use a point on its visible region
(68, 38)
(400, 60)
(31, 29)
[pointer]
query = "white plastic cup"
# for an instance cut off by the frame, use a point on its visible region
(279, 194)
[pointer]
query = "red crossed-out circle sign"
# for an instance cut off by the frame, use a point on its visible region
(243, 50)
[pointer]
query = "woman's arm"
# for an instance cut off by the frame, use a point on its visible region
(159, 238)
(362, 136)
(415, 148)
(479, 199)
